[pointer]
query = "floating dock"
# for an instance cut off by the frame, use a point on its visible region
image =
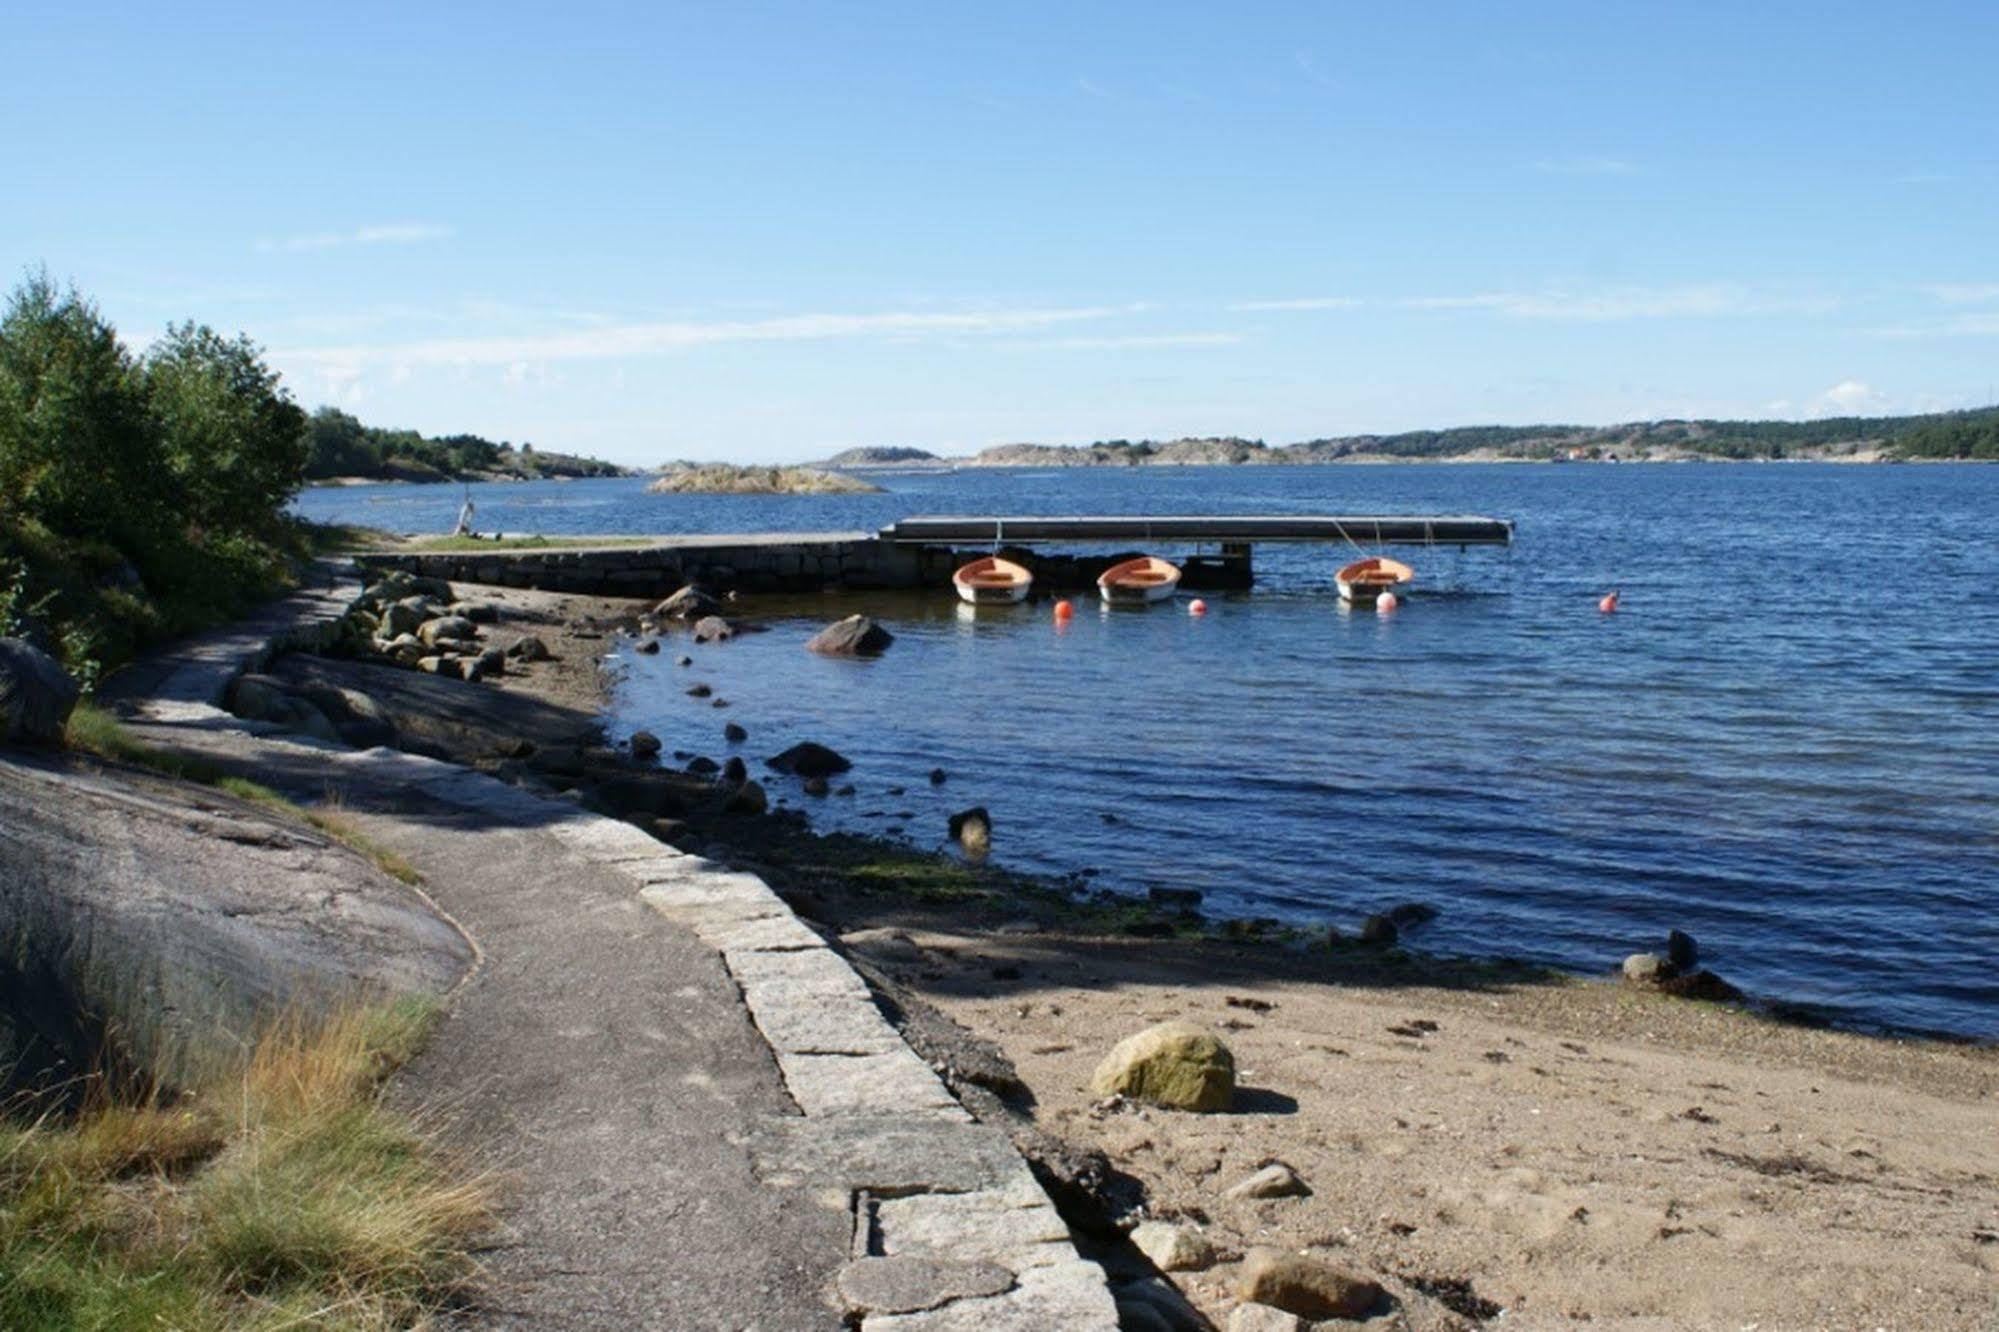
(1199, 529)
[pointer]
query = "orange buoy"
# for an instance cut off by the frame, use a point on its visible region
(1387, 601)
(1064, 611)
(1197, 607)
(1609, 603)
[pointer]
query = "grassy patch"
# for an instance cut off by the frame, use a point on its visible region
(280, 1194)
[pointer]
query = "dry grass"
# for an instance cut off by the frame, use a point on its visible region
(281, 1194)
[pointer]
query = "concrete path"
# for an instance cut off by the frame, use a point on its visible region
(704, 1120)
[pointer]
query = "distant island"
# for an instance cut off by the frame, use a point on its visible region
(1967, 435)
(729, 479)
(339, 448)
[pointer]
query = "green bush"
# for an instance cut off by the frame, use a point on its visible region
(138, 498)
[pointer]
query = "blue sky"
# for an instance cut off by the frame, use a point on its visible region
(758, 231)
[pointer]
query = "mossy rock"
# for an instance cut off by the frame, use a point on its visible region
(1175, 1064)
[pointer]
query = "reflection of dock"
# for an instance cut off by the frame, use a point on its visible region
(1198, 529)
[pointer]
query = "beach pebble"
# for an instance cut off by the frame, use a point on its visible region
(1304, 1286)
(1174, 1064)
(1173, 1248)
(1275, 1180)
(1263, 1318)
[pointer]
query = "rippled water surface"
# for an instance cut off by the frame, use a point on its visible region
(1786, 742)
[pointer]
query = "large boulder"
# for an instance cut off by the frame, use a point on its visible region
(689, 603)
(855, 636)
(809, 759)
(1174, 1064)
(1304, 1286)
(36, 694)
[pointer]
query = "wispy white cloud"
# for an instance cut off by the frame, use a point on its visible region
(1974, 325)
(1093, 88)
(1586, 165)
(1142, 340)
(1851, 397)
(1966, 293)
(392, 233)
(1301, 303)
(1612, 303)
(626, 340)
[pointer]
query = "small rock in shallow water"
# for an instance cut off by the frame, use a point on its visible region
(972, 829)
(749, 798)
(1304, 1286)
(1682, 951)
(808, 759)
(1411, 913)
(815, 786)
(938, 776)
(1378, 930)
(689, 603)
(734, 771)
(699, 691)
(734, 734)
(1174, 1064)
(713, 629)
(1647, 969)
(855, 636)
(649, 646)
(683, 661)
(1275, 1180)
(645, 744)
(703, 766)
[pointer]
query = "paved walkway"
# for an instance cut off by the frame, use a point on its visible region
(704, 1120)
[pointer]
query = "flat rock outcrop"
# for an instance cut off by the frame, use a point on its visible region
(149, 926)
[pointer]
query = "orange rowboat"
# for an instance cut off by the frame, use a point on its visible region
(992, 581)
(1138, 581)
(1364, 580)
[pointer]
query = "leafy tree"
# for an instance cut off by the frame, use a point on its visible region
(231, 437)
(77, 444)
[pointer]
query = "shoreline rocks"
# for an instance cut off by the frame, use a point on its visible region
(854, 636)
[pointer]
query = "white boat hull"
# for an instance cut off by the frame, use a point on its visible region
(973, 594)
(1122, 595)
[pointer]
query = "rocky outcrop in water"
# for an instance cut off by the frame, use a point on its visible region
(855, 636)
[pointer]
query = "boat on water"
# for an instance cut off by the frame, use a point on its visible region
(992, 581)
(1135, 582)
(1363, 581)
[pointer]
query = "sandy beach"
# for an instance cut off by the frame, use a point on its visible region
(1494, 1145)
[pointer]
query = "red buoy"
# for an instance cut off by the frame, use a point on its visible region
(1609, 603)
(1197, 607)
(1387, 601)
(1064, 611)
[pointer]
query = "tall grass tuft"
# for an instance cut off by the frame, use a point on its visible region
(280, 1194)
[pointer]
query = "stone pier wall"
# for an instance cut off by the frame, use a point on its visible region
(765, 564)
(761, 564)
